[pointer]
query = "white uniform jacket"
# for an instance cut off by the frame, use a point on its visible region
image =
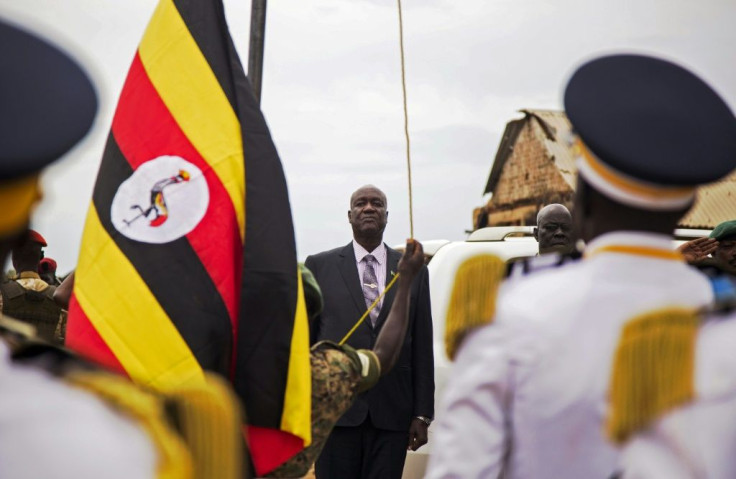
(527, 395)
(51, 430)
(698, 440)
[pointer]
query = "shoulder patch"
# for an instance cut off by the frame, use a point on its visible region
(517, 267)
(723, 285)
(370, 369)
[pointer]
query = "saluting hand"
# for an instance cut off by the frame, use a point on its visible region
(697, 250)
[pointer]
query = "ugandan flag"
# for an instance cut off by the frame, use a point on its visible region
(188, 258)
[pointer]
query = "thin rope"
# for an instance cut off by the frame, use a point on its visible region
(408, 169)
(368, 311)
(406, 121)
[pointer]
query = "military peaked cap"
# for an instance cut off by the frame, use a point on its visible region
(651, 130)
(47, 102)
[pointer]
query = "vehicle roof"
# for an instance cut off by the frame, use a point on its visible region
(500, 233)
(444, 264)
(430, 246)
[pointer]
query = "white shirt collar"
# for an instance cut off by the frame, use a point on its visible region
(379, 253)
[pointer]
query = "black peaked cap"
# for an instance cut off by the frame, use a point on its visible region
(652, 120)
(47, 102)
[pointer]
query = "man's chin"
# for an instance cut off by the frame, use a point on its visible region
(557, 248)
(730, 268)
(368, 230)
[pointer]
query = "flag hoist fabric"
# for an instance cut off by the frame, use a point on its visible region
(188, 258)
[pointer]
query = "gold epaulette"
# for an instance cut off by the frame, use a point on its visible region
(146, 409)
(209, 419)
(653, 369)
(473, 299)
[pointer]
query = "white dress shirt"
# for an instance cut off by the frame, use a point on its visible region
(527, 395)
(697, 440)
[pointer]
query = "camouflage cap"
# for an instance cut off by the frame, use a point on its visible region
(312, 293)
(724, 230)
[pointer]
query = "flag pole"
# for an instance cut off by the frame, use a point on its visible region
(257, 41)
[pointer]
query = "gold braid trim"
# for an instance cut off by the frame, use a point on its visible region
(473, 299)
(653, 369)
(174, 461)
(19, 196)
(209, 420)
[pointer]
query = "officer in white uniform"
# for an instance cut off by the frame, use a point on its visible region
(527, 397)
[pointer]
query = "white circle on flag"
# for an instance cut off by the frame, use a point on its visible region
(163, 200)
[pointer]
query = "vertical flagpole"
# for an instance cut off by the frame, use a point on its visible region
(257, 41)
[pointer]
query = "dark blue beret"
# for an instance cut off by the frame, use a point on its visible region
(47, 102)
(652, 120)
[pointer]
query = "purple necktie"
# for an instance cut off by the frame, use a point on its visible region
(370, 286)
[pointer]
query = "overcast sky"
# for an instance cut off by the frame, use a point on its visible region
(332, 92)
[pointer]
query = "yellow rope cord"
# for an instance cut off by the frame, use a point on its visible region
(408, 168)
(406, 121)
(368, 311)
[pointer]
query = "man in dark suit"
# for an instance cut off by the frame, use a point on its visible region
(371, 438)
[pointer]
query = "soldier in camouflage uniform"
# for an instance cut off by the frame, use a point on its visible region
(340, 373)
(29, 298)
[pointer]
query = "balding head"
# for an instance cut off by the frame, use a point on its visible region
(554, 229)
(368, 216)
(367, 189)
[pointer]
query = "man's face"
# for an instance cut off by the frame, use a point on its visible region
(367, 214)
(726, 253)
(554, 231)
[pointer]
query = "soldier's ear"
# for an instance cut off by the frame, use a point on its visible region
(535, 232)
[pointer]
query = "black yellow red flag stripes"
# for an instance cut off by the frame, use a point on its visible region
(188, 259)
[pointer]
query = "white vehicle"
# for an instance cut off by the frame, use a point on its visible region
(506, 242)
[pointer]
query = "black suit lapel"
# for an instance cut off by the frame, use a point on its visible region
(392, 266)
(349, 272)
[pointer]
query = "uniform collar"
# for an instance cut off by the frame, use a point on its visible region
(28, 274)
(634, 243)
(379, 253)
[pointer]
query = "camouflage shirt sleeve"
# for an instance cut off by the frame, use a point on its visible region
(370, 368)
(339, 373)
